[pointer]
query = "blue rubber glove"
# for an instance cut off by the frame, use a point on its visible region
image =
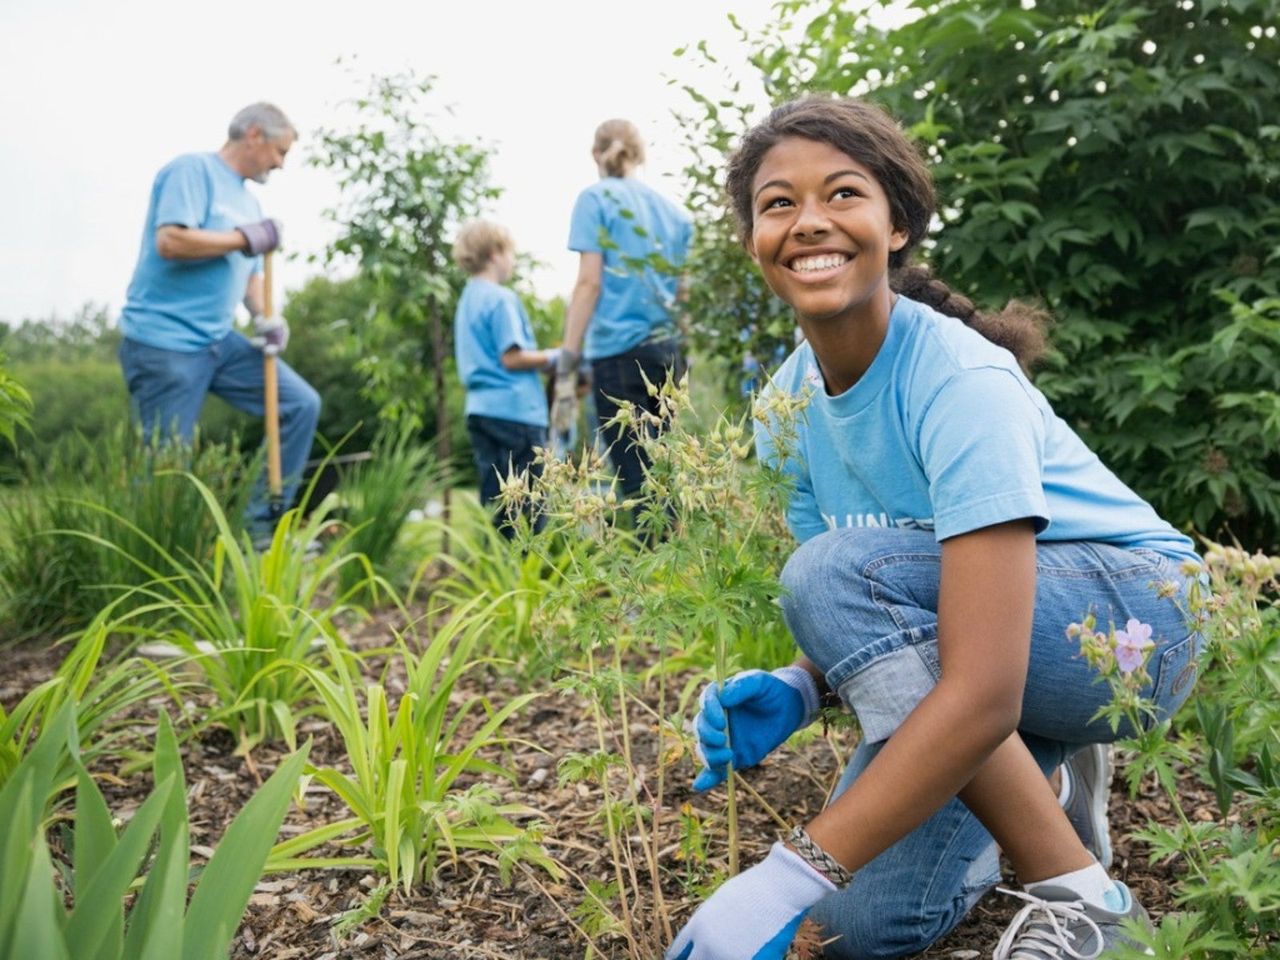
(755, 915)
(760, 710)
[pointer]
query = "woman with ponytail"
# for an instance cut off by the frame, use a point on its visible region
(623, 316)
(951, 526)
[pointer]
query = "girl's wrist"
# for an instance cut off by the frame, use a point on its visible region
(802, 845)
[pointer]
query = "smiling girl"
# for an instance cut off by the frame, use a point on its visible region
(950, 527)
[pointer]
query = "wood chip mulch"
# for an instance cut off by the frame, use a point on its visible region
(468, 914)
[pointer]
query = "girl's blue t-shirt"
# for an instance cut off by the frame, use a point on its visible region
(489, 321)
(945, 433)
(185, 305)
(644, 239)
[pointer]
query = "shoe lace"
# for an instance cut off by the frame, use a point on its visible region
(1037, 930)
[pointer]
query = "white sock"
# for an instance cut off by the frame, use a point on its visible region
(1064, 791)
(1091, 884)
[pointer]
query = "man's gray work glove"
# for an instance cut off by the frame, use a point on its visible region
(260, 237)
(564, 409)
(270, 334)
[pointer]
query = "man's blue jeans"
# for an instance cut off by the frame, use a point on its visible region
(167, 388)
(862, 605)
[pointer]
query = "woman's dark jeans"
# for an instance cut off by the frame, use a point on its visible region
(501, 446)
(618, 380)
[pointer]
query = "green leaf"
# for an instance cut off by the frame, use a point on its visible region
(236, 865)
(156, 920)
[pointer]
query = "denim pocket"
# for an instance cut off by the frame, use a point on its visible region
(1174, 678)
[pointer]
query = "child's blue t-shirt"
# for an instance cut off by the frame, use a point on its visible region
(644, 239)
(186, 305)
(944, 433)
(489, 321)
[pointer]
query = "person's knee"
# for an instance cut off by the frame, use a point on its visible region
(303, 404)
(817, 576)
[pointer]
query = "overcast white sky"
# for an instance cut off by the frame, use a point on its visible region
(96, 95)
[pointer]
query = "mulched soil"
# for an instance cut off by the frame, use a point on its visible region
(468, 913)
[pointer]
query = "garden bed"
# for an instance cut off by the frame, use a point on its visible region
(469, 913)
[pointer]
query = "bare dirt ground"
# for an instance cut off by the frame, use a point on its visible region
(468, 914)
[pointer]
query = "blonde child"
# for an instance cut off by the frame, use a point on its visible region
(498, 362)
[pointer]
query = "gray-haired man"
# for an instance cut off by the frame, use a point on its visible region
(201, 254)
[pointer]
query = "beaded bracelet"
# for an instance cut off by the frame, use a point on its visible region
(819, 859)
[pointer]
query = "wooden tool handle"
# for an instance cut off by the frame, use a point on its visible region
(267, 309)
(271, 423)
(271, 394)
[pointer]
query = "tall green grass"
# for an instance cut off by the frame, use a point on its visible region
(56, 568)
(408, 759)
(481, 564)
(378, 497)
(250, 618)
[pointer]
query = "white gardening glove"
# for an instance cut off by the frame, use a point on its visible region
(755, 915)
(564, 408)
(270, 334)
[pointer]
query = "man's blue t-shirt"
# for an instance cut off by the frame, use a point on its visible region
(186, 305)
(644, 239)
(489, 321)
(944, 433)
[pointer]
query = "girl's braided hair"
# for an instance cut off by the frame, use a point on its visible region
(866, 133)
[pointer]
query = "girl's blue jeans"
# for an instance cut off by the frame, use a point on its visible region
(168, 387)
(862, 605)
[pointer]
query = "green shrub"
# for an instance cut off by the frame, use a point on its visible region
(1119, 162)
(1228, 887)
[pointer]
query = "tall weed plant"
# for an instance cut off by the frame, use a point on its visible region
(666, 585)
(84, 525)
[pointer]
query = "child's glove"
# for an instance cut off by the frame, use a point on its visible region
(755, 915)
(270, 334)
(760, 710)
(564, 409)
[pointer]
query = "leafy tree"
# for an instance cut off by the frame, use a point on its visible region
(1119, 162)
(405, 189)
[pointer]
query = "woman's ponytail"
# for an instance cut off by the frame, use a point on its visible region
(618, 147)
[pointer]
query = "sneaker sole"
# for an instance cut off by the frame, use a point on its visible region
(1098, 808)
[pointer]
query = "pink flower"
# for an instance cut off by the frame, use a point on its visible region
(1132, 644)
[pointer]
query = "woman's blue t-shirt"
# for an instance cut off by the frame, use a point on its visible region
(644, 239)
(945, 433)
